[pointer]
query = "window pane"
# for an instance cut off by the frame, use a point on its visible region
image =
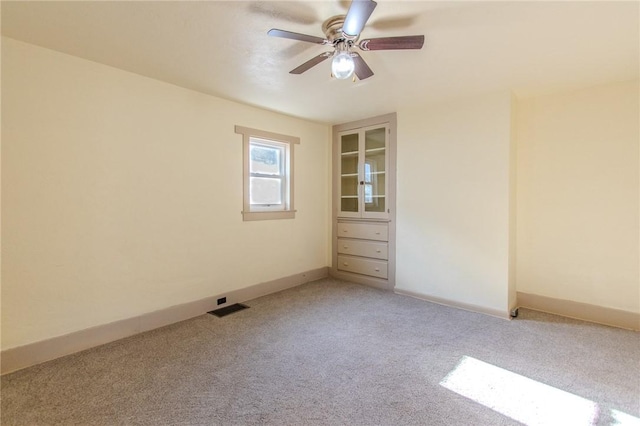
(376, 162)
(375, 139)
(265, 159)
(350, 164)
(378, 184)
(377, 204)
(350, 186)
(349, 143)
(368, 193)
(265, 190)
(349, 204)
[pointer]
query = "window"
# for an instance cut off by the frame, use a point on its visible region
(268, 174)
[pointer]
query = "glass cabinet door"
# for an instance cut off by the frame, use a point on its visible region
(349, 173)
(363, 173)
(375, 167)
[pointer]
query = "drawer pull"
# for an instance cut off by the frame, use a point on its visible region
(377, 232)
(345, 247)
(377, 250)
(377, 269)
(345, 264)
(344, 230)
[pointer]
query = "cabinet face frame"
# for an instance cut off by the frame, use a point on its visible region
(389, 120)
(360, 178)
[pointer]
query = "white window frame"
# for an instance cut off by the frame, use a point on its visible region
(276, 140)
(281, 175)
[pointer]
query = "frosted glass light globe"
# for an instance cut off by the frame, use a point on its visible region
(342, 65)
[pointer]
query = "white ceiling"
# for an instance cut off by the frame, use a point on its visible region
(222, 48)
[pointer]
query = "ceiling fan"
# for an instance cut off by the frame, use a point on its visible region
(342, 32)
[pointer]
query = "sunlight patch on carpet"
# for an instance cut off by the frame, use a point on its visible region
(518, 397)
(624, 419)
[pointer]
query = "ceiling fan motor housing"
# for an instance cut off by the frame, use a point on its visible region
(332, 29)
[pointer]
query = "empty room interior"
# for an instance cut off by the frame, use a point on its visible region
(333, 212)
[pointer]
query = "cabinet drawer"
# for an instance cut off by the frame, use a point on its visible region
(363, 248)
(375, 268)
(367, 231)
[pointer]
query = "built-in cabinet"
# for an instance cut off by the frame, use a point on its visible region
(363, 172)
(364, 201)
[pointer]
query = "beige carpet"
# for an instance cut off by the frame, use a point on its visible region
(336, 353)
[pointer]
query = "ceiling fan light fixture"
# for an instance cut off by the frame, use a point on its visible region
(342, 65)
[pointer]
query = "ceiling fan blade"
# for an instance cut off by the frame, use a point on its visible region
(296, 36)
(392, 43)
(310, 63)
(362, 70)
(357, 16)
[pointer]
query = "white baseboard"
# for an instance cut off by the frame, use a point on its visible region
(582, 311)
(20, 357)
(454, 304)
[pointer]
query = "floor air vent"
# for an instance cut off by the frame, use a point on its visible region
(228, 310)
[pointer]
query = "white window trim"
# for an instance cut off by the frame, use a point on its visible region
(248, 213)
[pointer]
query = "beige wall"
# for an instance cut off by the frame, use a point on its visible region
(578, 196)
(122, 195)
(454, 202)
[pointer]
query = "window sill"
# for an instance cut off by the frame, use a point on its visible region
(248, 216)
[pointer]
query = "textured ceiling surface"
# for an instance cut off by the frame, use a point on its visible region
(222, 48)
